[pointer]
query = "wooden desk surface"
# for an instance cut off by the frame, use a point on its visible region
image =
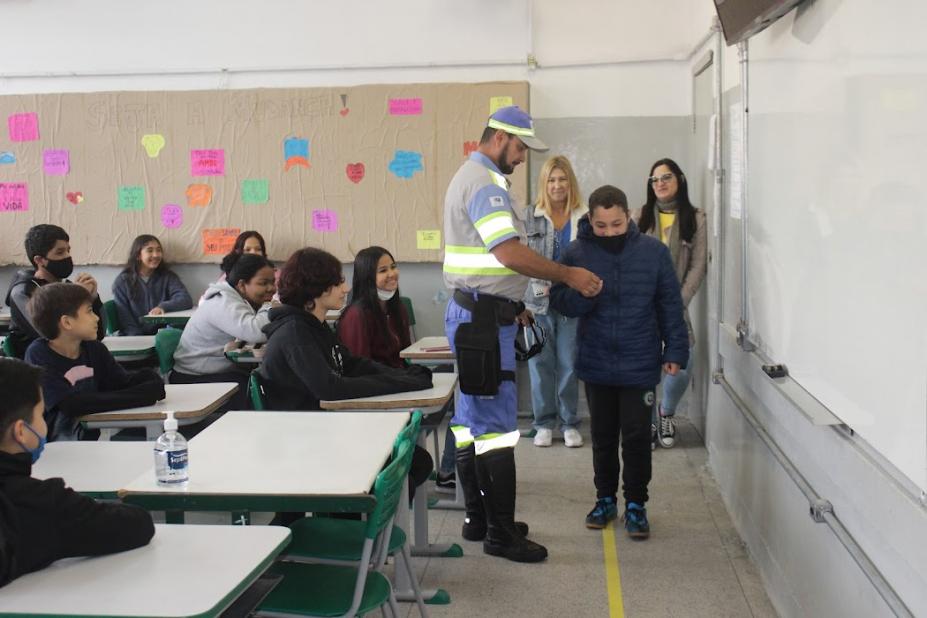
(439, 394)
(185, 400)
(417, 351)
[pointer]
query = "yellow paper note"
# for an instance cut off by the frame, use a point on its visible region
(497, 102)
(153, 143)
(428, 239)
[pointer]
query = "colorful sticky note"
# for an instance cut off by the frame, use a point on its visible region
(498, 102)
(325, 220)
(56, 162)
(23, 127)
(254, 191)
(198, 195)
(428, 239)
(220, 240)
(14, 196)
(7, 158)
(355, 172)
(131, 198)
(207, 162)
(75, 197)
(171, 216)
(405, 163)
(405, 107)
(153, 143)
(295, 152)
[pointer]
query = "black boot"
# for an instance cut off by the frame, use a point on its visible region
(474, 526)
(496, 473)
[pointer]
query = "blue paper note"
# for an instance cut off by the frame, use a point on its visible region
(7, 158)
(405, 163)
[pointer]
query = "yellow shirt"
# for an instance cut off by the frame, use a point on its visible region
(667, 219)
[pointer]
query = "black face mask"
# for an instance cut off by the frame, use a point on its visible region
(60, 268)
(612, 244)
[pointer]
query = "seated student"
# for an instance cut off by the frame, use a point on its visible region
(248, 241)
(231, 310)
(81, 376)
(45, 521)
(304, 362)
(627, 333)
(49, 250)
(147, 285)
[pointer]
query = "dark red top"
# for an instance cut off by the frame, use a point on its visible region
(360, 331)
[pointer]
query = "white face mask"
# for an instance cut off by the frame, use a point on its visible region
(385, 295)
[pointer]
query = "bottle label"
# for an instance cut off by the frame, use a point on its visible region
(177, 460)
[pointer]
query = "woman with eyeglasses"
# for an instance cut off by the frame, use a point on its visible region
(670, 217)
(551, 224)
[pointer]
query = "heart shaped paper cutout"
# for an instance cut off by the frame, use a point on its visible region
(75, 197)
(355, 172)
(344, 111)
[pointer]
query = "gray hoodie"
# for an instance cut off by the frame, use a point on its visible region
(222, 316)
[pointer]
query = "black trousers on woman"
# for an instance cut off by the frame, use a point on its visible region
(619, 411)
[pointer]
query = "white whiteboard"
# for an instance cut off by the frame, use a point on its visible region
(838, 214)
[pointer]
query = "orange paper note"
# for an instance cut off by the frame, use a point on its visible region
(219, 241)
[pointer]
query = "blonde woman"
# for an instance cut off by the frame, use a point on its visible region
(551, 225)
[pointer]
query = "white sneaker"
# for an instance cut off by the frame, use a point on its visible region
(667, 431)
(572, 438)
(543, 437)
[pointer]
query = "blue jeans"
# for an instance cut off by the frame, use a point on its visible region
(674, 387)
(553, 375)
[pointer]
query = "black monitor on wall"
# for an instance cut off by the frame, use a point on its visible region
(741, 19)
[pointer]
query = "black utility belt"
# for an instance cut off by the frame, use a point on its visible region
(479, 361)
(504, 309)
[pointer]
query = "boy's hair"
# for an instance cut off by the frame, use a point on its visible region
(40, 239)
(51, 301)
(607, 196)
(306, 276)
(19, 383)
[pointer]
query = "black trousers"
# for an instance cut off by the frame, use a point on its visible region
(620, 411)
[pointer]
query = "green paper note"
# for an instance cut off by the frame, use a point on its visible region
(255, 191)
(131, 198)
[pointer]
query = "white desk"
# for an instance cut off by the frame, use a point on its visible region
(278, 461)
(184, 571)
(131, 347)
(171, 318)
(189, 402)
(96, 469)
(429, 351)
(427, 400)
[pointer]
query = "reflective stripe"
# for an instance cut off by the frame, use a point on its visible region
(495, 225)
(510, 128)
(498, 179)
(494, 441)
(473, 261)
(462, 436)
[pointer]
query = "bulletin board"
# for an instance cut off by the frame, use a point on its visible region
(336, 168)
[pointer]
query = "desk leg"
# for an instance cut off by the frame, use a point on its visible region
(421, 546)
(402, 586)
(457, 504)
(241, 518)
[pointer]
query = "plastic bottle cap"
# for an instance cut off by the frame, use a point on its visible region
(170, 423)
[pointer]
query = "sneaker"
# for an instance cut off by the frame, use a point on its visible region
(572, 438)
(653, 437)
(605, 510)
(446, 482)
(543, 437)
(667, 431)
(635, 521)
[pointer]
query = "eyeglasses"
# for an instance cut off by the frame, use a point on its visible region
(664, 178)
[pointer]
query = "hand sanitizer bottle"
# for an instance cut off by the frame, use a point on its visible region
(170, 451)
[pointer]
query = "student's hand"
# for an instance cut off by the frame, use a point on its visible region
(156, 311)
(671, 368)
(525, 318)
(87, 282)
(583, 281)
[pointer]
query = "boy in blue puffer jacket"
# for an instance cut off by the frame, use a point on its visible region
(627, 333)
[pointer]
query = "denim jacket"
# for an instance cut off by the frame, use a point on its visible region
(539, 232)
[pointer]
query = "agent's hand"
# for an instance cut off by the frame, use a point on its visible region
(87, 282)
(583, 281)
(525, 318)
(156, 311)
(671, 368)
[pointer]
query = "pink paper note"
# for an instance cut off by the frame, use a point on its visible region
(14, 196)
(405, 107)
(171, 216)
(207, 162)
(325, 220)
(24, 127)
(56, 162)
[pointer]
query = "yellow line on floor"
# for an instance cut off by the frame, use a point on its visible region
(612, 572)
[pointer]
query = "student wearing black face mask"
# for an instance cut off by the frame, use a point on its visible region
(627, 334)
(48, 249)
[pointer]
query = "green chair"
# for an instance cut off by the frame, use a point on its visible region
(166, 341)
(111, 317)
(8, 348)
(336, 589)
(408, 303)
(256, 390)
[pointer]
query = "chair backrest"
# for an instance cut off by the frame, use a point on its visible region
(411, 313)
(111, 317)
(166, 341)
(8, 348)
(409, 432)
(256, 390)
(387, 489)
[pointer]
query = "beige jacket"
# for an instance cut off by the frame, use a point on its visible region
(690, 259)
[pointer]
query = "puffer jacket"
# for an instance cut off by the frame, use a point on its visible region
(636, 322)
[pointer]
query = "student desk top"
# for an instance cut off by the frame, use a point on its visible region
(95, 469)
(184, 571)
(429, 351)
(427, 400)
(190, 403)
(132, 345)
(171, 318)
(278, 461)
